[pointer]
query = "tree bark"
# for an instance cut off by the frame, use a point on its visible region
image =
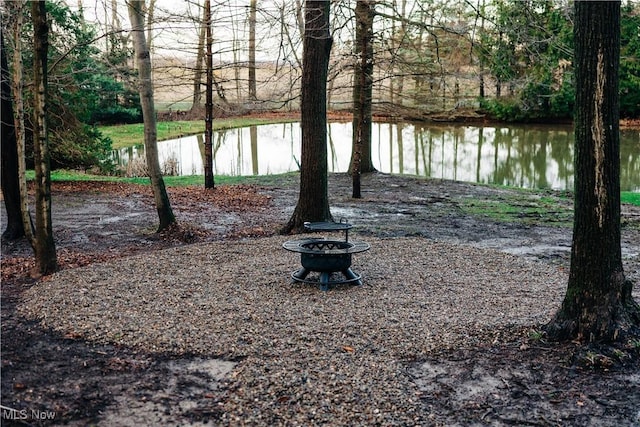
(313, 200)
(17, 12)
(598, 306)
(208, 114)
(8, 142)
(253, 95)
(165, 213)
(45, 248)
(362, 96)
(151, 10)
(197, 78)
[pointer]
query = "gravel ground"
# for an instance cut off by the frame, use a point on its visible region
(305, 356)
(154, 331)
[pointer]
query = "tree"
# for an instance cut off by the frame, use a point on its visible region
(197, 75)
(362, 95)
(630, 61)
(253, 94)
(9, 144)
(163, 206)
(79, 88)
(43, 245)
(208, 114)
(529, 50)
(313, 200)
(17, 18)
(598, 305)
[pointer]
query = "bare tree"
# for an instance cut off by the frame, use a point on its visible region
(208, 134)
(163, 206)
(10, 174)
(151, 10)
(362, 95)
(252, 50)
(43, 245)
(313, 200)
(197, 76)
(16, 13)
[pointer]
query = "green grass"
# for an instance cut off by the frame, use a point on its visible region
(520, 208)
(130, 135)
(527, 204)
(630, 198)
(171, 181)
(532, 207)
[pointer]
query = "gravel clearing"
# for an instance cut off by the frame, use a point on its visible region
(304, 356)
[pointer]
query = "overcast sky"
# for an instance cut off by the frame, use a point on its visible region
(175, 36)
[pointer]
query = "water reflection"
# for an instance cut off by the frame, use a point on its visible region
(522, 156)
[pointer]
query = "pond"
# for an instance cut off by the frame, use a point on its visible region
(527, 156)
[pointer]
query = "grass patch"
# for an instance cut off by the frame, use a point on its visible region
(172, 181)
(133, 134)
(528, 208)
(631, 198)
(517, 204)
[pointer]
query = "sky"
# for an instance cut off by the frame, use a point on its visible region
(176, 37)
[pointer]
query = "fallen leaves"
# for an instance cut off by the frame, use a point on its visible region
(238, 198)
(192, 203)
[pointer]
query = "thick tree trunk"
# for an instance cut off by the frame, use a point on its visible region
(165, 213)
(313, 200)
(362, 96)
(45, 248)
(598, 305)
(8, 142)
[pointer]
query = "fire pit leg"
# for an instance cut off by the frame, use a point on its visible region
(300, 274)
(350, 275)
(324, 281)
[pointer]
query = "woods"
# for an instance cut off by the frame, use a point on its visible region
(405, 56)
(472, 310)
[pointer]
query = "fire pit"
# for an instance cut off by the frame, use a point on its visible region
(326, 256)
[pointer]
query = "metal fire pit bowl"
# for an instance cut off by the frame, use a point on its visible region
(325, 257)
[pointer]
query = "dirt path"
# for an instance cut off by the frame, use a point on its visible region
(74, 380)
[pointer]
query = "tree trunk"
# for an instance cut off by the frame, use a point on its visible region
(165, 214)
(9, 144)
(598, 305)
(197, 76)
(45, 248)
(253, 95)
(313, 200)
(151, 10)
(362, 96)
(481, 11)
(208, 113)
(19, 127)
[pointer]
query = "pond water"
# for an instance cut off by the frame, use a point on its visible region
(531, 156)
